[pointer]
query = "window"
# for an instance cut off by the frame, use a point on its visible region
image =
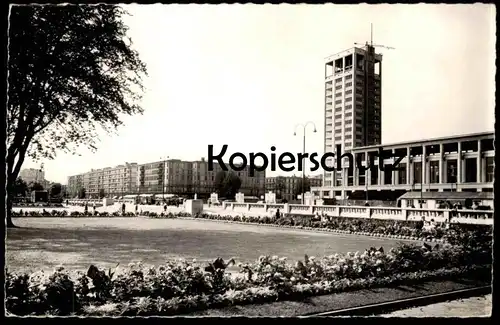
(338, 131)
(348, 92)
(490, 169)
(401, 173)
(387, 175)
(338, 109)
(348, 122)
(359, 92)
(338, 138)
(338, 123)
(374, 176)
(348, 107)
(348, 144)
(348, 114)
(348, 84)
(338, 80)
(470, 170)
(434, 171)
(348, 99)
(338, 101)
(348, 136)
(417, 172)
(348, 77)
(338, 87)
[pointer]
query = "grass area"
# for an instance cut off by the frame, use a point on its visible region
(43, 243)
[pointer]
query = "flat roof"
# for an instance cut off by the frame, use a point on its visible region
(351, 50)
(452, 137)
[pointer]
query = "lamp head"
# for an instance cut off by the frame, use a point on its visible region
(314, 130)
(294, 133)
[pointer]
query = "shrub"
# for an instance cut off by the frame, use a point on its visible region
(400, 228)
(182, 286)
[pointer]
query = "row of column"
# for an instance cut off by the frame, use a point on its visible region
(425, 169)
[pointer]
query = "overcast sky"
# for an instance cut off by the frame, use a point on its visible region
(245, 75)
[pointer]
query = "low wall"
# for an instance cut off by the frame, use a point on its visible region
(439, 215)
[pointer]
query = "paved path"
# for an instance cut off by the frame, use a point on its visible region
(470, 307)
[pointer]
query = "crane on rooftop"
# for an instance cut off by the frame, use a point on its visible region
(371, 42)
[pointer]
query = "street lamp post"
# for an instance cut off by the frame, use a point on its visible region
(304, 126)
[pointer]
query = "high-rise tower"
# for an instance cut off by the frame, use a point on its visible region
(353, 83)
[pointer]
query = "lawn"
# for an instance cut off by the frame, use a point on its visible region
(43, 243)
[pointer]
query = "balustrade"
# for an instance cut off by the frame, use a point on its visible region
(438, 215)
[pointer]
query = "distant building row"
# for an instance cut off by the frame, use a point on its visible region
(287, 188)
(170, 176)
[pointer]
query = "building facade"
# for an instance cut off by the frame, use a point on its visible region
(110, 181)
(464, 163)
(353, 99)
(33, 175)
(287, 187)
(171, 176)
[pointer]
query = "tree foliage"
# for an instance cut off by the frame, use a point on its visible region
(81, 193)
(102, 193)
(35, 186)
(298, 186)
(227, 184)
(71, 73)
(20, 188)
(55, 189)
(280, 187)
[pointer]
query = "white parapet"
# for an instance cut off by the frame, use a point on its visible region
(194, 206)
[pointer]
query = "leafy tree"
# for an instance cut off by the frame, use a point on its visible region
(298, 186)
(55, 189)
(81, 193)
(227, 184)
(20, 188)
(280, 187)
(102, 193)
(35, 187)
(71, 73)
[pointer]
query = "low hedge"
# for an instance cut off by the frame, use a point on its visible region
(65, 213)
(183, 286)
(37, 205)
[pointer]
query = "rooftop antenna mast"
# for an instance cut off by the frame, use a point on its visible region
(371, 41)
(371, 34)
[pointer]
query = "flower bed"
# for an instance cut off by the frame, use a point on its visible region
(399, 229)
(183, 286)
(66, 214)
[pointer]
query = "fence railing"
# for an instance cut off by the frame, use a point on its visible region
(390, 213)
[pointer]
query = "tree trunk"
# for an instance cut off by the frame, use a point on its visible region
(10, 224)
(10, 190)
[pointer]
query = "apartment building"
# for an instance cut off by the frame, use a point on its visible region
(112, 181)
(167, 176)
(353, 98)
(286, 187)
(204, 179)
(171, 176)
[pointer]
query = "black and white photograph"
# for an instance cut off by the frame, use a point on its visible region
(246, 160)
